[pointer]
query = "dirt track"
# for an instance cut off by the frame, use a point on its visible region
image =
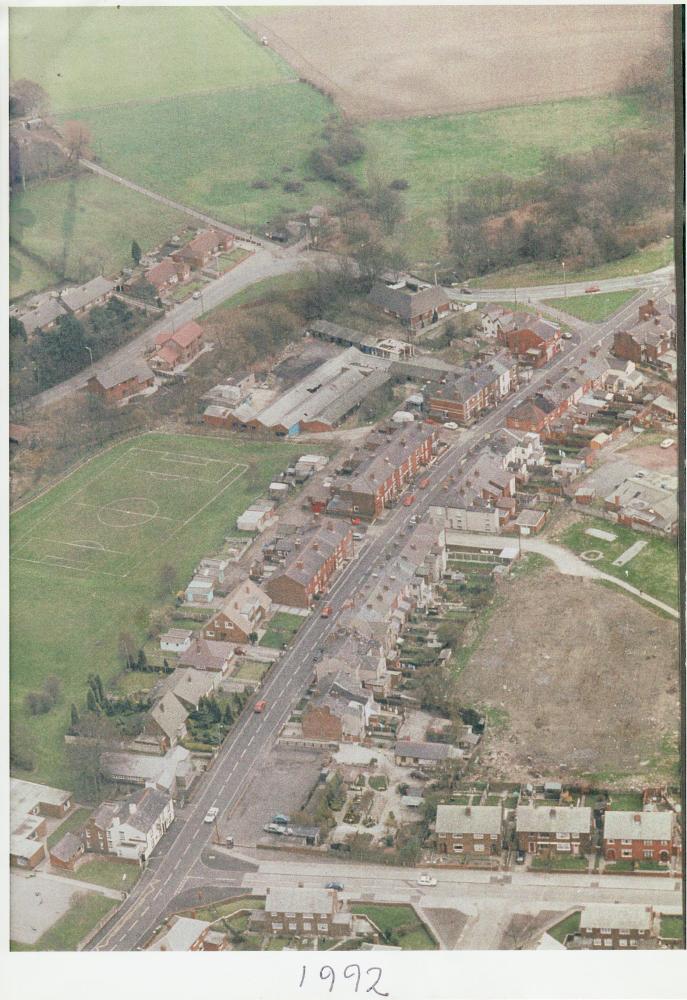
(410, 61)
(588, 679)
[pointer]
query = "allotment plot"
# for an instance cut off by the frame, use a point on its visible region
(114, 522)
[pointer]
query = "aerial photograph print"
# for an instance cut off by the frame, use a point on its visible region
(345, 501)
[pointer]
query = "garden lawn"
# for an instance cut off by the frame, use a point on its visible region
(280, 629)
(78, 227)
(218, 910)
(251, 670)
(392, 917)
(573, 863)
(69, 930)
(205, 151)
(593, 308)
(88, 610)
(440, 154)
(626, 802)
(110, 874)
(569, 925)
(672, 926)
(110, 55)
(527, 275)
(72, 824)
(653, 570)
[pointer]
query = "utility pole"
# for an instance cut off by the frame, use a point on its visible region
(565, 287)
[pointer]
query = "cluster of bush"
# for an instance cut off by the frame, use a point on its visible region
(41, 702)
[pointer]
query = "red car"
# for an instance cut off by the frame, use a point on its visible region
(423, 484)
(326, 611)
(593, 288)
(259, 707)
(409, 500)
(355, 520)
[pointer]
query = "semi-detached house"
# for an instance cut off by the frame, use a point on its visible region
(549, 831)
(469, 831)
(241, 614)
(311, 565)
(640, 836)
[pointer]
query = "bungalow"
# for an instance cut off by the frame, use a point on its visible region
(132, 827)
(414, 304)
(612, 925)
(202, 247)
(311, 566)
(187, 934)
(470, 831)
(173, 773)
(167, 274)
(176, 640)
(43, 316)
(121, 381)
(178, 348)
(81, 300)
(241, 615)
(410, 754)
(650, 835)
(190, 685)
(557, 830)
(207, 654)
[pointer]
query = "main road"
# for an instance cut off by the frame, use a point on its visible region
(244, 752)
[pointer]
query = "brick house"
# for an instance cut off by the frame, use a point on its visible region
(640, 836)
(645, 342)
(468, 395)
(30, 804)
(121, 381)
(242, 613)
(172, 349)
(340, 711)
(165, 724)
(609, 925)
(198, 252)
(535, 342)
(311, 566)
(533, 415)
(470, 831)
(66, 852)
(377, 472)
(81, 300)
(168, 274)
(303, 912)
(321, 723)
(130, 828)
(415, 306)
(548, 831)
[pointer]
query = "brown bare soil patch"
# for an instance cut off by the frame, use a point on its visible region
(409, 61)
(652, 456)
(583, 680)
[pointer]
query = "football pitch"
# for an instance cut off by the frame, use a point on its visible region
(122, 515)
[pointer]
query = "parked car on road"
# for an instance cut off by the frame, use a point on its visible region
(592, 288)
(667, 443)
(326, 611)
(211, 815)
(424, 483)
(409, 500)
(520, 857)
(334, 885)
(259, 707)
(451, 426)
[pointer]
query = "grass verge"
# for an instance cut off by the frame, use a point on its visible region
(592, 308)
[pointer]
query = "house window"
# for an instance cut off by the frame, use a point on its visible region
(277, 927)
(562, 847)
(564, 836)
(322, 927)
(604, 930)
(608, 943)
(626, 854)
(478, 836)
(648, 854)
(293, 927)
(623, 943)
(625, 841)
(598, 941)
(457, 848)
(307, 925)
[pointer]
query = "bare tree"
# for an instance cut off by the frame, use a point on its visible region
(77, 136)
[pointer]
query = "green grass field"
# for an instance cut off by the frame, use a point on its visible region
(88, 57)
(401, 919)
(626, 801)
(439, 155)
(281, 628)
(569, 925)
(205, 151)
(641, 262)
(84, 913)
(85, 560)
(653, 570)
(79, 227)
(672, 926)
(110, 874)
(72, 824)
(593, 308)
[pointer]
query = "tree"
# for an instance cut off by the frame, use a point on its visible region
(74, 718)
(17, 329)
(52, 688)
(21, 751)
(97, 734)
(77, 137)
(91, 702)
(135, 252)
(168, 579)
(28, 98)
(141, 660)
(126, 649)
(253, 638)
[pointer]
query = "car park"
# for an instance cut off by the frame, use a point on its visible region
(426, 880)
(211, 815)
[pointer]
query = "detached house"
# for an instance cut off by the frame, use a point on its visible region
(121, 381)
(640, 836)
(469, 830)
(131, 828)
(242, 613)
(167, 274)
(414, 304)
(173, 349)
(557, 830)
(311, 565)
(165, 725)
(81, 300)
(431, 755)
(205, 245)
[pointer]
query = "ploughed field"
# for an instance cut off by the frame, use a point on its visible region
(582, 681)
(381, 62)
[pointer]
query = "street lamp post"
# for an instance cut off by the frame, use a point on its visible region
(565, 287)
(90, 353)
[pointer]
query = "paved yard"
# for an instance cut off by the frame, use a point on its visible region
(36, 902)
(283, 786)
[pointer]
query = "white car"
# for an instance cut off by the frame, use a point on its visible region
(426, 880)
(566, 336)
(667, 443)
(196, 295)
(451, 426)
(211, 815)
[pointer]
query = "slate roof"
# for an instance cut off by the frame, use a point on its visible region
(170, 715)
(614, 916)
(77, 298)
(282, 899)
(423, 751)
(66, 848)
(183, 932)
(469, 819)
(553, 819)
(646, 825)
(405, 303)
(43, 315)
(304, 562)
(123, 372)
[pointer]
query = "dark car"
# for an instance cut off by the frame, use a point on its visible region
(334, 885)
(520, 857)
